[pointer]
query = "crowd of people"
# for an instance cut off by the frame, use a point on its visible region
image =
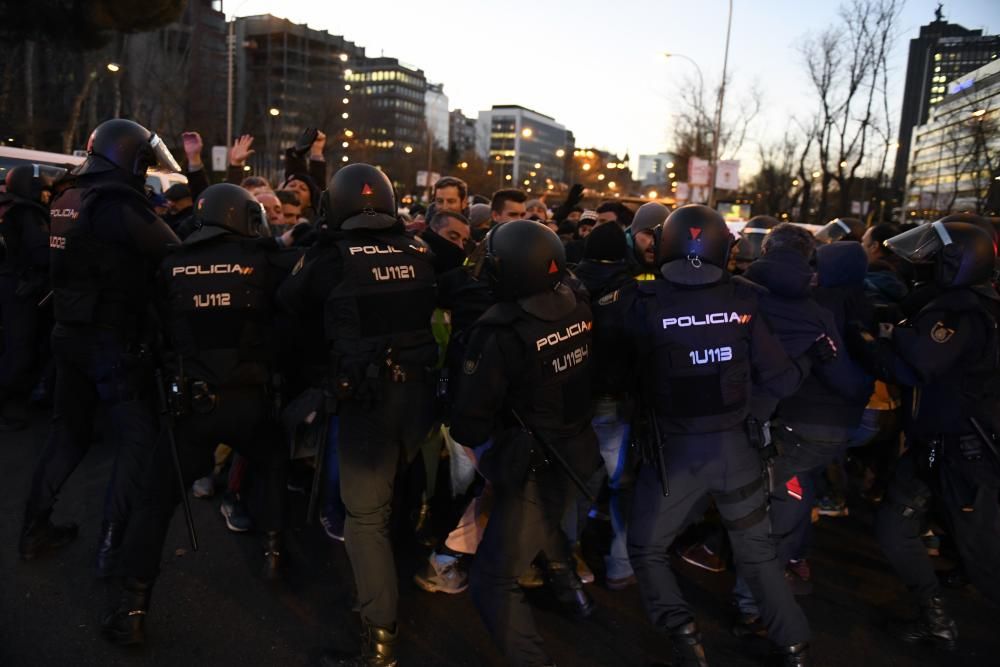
(708, 394)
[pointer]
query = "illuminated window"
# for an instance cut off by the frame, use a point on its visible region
(937, 57)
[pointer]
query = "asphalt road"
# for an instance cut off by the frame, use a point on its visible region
(211, 608)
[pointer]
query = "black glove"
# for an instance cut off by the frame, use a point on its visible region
(305, 141)
(823, 350)
(575, 195)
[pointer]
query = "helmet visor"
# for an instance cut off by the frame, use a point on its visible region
(921, 244)
(257, 220)
(48, 174)
(833, 231)
(750, 241)
(164, 160)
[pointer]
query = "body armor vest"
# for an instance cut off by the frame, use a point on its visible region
(699, 373)
(94, 281)
(553, 395)
(383, 304)
(221, 312)
(972, 388)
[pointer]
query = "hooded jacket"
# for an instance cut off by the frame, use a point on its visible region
(835, 393)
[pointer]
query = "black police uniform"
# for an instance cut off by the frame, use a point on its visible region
(217, 292)
(376, 289)
(538, 365)
(24, 267)
(702, 345)
(106, 243)
(947, 359)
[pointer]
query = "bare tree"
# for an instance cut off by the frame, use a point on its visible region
(847, 66)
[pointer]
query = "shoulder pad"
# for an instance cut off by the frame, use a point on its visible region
(500, 314)
(744, 286)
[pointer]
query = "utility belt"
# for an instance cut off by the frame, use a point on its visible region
(186, 396)
(969, 447)
(364, 383)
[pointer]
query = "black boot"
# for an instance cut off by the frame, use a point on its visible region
(796, 655)
(125, 625)
(568, 589)
(39, 535)
(112, 534)
(423, 528)
(272, 555)
(933, 625)
(378, 649)
(686, 645)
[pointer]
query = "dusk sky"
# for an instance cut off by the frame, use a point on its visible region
(596, 66)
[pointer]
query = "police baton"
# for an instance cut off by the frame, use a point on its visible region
(168, 427)
(661, 464)
(551, 452)
(985, 437)
(322, 435)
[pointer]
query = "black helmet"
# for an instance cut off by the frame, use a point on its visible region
(752, 237)
(359, 196)
(841, 229)
(232, 208)
(697, 233)
(29, 181)
(127, 145)
(523, 258)
(963, 253)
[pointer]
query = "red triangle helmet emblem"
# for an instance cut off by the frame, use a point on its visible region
(553, 267)
(367, 190)
(695, 233)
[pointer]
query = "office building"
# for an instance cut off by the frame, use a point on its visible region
(389, 114)
(436, 114)
(943, 52)
(524, 148)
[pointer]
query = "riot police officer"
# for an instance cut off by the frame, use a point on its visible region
(217, 293)
(702, 344)
(841, 229)
(946, 356)
(376, 288)
(750, 241)
(24, 269)
(106, 243)
(527, 369)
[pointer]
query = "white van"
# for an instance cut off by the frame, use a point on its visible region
(156, 179)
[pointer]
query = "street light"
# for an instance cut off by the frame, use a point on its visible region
(653, 194)
(408, 149)
(527, 132)
(274, 111)
(975, 114)
(586, 166)
(560, 153)
(114, 67)
(701, 79)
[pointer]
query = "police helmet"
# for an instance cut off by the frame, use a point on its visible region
(841, 229)
(752, 237)
(29, 181)
(962, 253)
(523, 258)
(359, 196)
(128, 146)
(695, 233)
(232, 208)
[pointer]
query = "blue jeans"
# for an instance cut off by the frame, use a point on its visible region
(613, 437)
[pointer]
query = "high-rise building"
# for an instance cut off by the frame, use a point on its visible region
(461, 133)
(953, 164)
(389, 115)
(436, 112)
(290, 77)
(943, 52)
(524, 148)
(656, 169)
